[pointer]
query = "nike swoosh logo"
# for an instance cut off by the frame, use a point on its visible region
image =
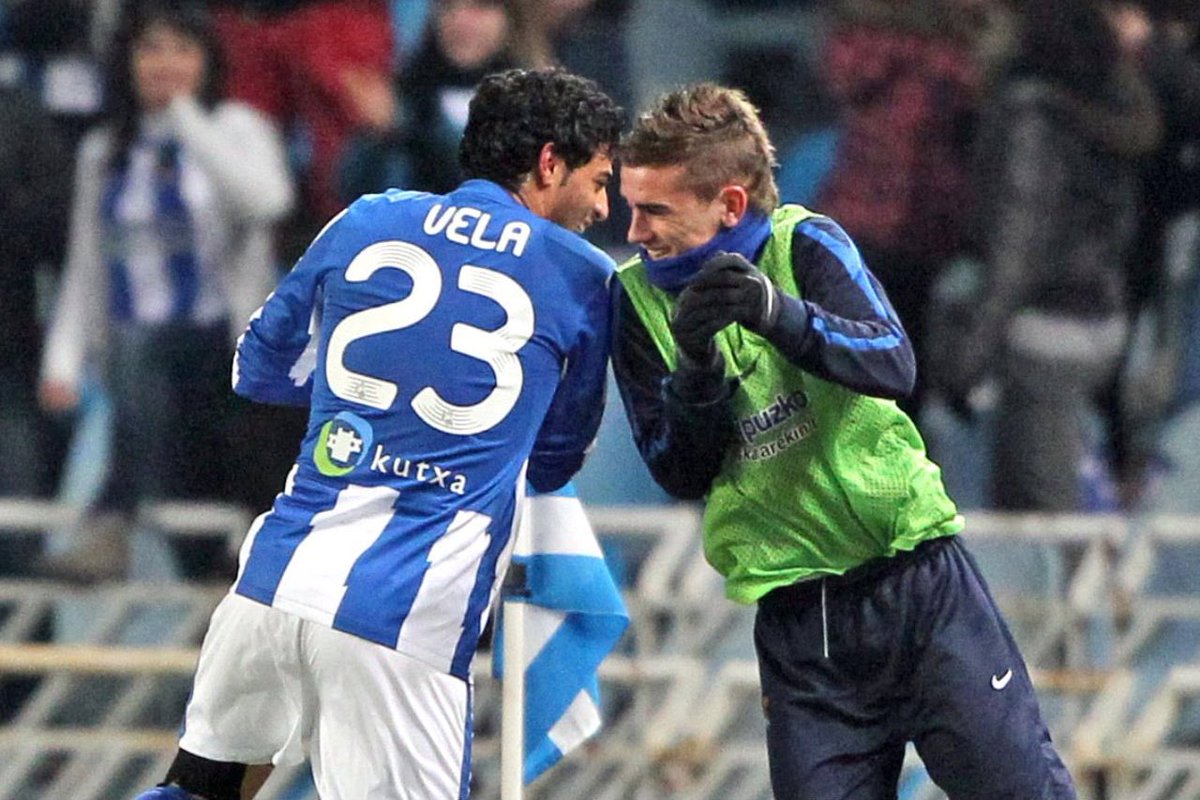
(1000, 681)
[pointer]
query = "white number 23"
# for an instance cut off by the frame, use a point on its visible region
(497, 348)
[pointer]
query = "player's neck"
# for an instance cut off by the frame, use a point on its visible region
(532, 197)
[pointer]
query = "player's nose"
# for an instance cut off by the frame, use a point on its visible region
(600, 209)
(638, 232)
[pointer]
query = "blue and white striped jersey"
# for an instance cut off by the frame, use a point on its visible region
(448, 346)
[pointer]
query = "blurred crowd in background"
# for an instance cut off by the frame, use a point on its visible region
(1023, 176)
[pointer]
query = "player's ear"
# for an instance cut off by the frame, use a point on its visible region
(548, 166)
(735, 200)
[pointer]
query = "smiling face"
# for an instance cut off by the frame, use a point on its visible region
(580, 197)
(668, 217)
(166, 63)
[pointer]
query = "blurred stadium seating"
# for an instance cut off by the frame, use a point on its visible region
(1107, 609)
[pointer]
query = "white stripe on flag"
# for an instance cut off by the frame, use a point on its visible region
(578, 722)
(559, 526)
(574, 617)
(540, 625)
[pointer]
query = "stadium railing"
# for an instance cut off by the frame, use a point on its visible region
(1107, 610)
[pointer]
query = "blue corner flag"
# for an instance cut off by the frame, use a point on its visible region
(573, 620)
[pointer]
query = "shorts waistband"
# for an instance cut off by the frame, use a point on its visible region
(807, 591)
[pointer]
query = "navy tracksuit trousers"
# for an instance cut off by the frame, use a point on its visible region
(908, 648)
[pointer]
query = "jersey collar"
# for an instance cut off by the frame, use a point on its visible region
(489, 190)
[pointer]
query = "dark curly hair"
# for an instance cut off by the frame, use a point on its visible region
(515, 112)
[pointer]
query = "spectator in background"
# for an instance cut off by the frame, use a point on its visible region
(414, 128)
(541, 23)
(34, 196)
(300, 61)
(1164, 261)
(35, 192)
(411, 135)
(169, 253)
(589, 38)
(904, 76)
(1058, 206)
(584, 36)
(783, 83)
(52, 49)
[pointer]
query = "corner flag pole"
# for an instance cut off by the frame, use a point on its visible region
(512, 696)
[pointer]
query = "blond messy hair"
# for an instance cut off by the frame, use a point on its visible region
(715, 132)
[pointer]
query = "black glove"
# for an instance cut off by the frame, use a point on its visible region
(735, 290)
(693, 324)
(727, 289)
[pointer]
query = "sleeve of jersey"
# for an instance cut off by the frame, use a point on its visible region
(680, 442)
(276, 354)
(844, 330)
(574, 415)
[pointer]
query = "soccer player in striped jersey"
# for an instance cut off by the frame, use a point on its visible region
(450, 347)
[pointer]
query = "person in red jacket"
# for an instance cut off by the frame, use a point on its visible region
(300, 61)
(906, 81)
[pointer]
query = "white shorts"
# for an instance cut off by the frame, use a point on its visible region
(376, 724)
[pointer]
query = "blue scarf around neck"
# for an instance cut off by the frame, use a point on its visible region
(673, 273)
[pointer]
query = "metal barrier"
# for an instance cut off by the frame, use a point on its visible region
(92, 713)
